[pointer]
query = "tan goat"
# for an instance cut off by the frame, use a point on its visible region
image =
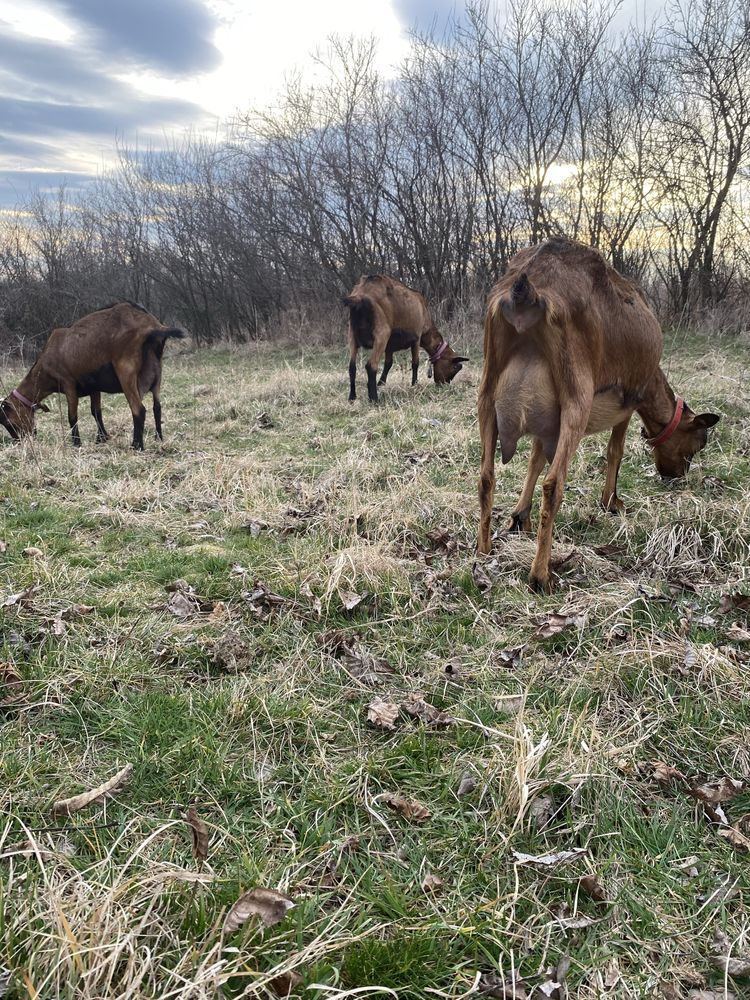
(571, 347)
(386, 316)
(116, 349)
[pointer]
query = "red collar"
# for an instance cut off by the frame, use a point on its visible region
(439, 352)
(666, 434)
(24, 400)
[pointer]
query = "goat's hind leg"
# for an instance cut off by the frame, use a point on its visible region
(96, 413)
(71, 395)
(129, 381)
(573, 419)
(379, 343)
(352, 367)
(520, 518)
(157, 408)
(414, 362)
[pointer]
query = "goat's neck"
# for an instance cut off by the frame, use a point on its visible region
(656, 408)
(35, 386)
(431, 340)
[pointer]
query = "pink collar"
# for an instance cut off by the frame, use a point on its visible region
(24, 400)
(439, 352)
(666, 434)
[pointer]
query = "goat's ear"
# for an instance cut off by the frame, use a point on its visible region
(43, 407)
(706, 419)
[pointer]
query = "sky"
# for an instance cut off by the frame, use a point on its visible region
(80, 77)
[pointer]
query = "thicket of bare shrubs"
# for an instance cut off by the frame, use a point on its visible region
(500, 132)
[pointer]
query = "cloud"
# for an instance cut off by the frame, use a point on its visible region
(425, 14)
(171, 37)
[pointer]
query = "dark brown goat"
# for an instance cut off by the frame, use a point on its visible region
(116, 349)
(386, 316)
(571, 347)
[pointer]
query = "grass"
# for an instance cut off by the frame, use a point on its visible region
(256, 708)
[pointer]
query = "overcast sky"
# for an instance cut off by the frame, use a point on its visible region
(77, 77)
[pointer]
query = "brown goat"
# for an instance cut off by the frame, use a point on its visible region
(386, 316)
(571, 347)
(116, 349)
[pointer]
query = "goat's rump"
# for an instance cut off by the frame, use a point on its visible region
(361, 320)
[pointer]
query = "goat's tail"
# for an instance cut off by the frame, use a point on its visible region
(157, 338)
(493, 344)
(361, 319)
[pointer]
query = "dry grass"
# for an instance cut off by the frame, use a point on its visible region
(256, 708)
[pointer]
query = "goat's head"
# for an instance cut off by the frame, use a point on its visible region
(447, 365)
(18, 417)
(674, 451)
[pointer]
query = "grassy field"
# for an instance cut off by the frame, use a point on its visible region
(326, 558)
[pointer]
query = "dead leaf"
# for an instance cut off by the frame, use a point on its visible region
(511, 658)
(285, 984)
(261, 599)
(351, 600)
(491, 985)
(734, 602)
(418, 708)
(541, 810)
(268, 905)
(77, 611)
(480, 578)
(431, 883)
(23, 597)
(665, 774)
(11, 685)
(738, 633)
(182, 605)
(593, 888)
(466, 785)
(709, 995)
(556, 623)
(411, 809)
(361, 664)
(199, 833)
(613, 975)
(549, 860)
(441, 538)
(720, 790)
(737, 968)
(554, 987)
(33, 553)
(510, 704)
(254, 527)
(306, 591)
(382, 714)
(263, 422)
(66, 807)
(735, 837)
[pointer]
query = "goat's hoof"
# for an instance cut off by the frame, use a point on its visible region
(540, 584)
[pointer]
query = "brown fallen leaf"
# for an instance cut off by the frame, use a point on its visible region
(440, 538)
(554, 988)
(306, 591)
(720, 790)
(418, 708)
(491, 985)
(709, 995)
(361, 664)
(734, 602)
(722, 958)
(11, 685)
(285, 984)
(466, 785)
(382, 714)
(594, 889)
(261, 599)
(182, 605)
(735, 837)
(411, 809)
(33, 553)
(556, 623)
(548, 860)
(541, 810)
(509, 704)
(66, 807)
(351, 600)
(254, 527)
(665, 774)
(481, 578)
(432, 883)
(737, 633)
(23, 597)
(77, 611)
(268, 905)
(199, 834)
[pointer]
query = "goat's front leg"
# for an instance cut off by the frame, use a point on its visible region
(615, 450)
(414, 362)
(520, 516)
(156, 396)
(96, 413)
(352, 367)
(380, 337)
(573, 420)
(488, 437)
(71, 396)
(386, 367)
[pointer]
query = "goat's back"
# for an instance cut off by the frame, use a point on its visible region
(391, 302)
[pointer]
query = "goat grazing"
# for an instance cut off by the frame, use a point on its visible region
(116, 349)
(386, 316)
(571, 347)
